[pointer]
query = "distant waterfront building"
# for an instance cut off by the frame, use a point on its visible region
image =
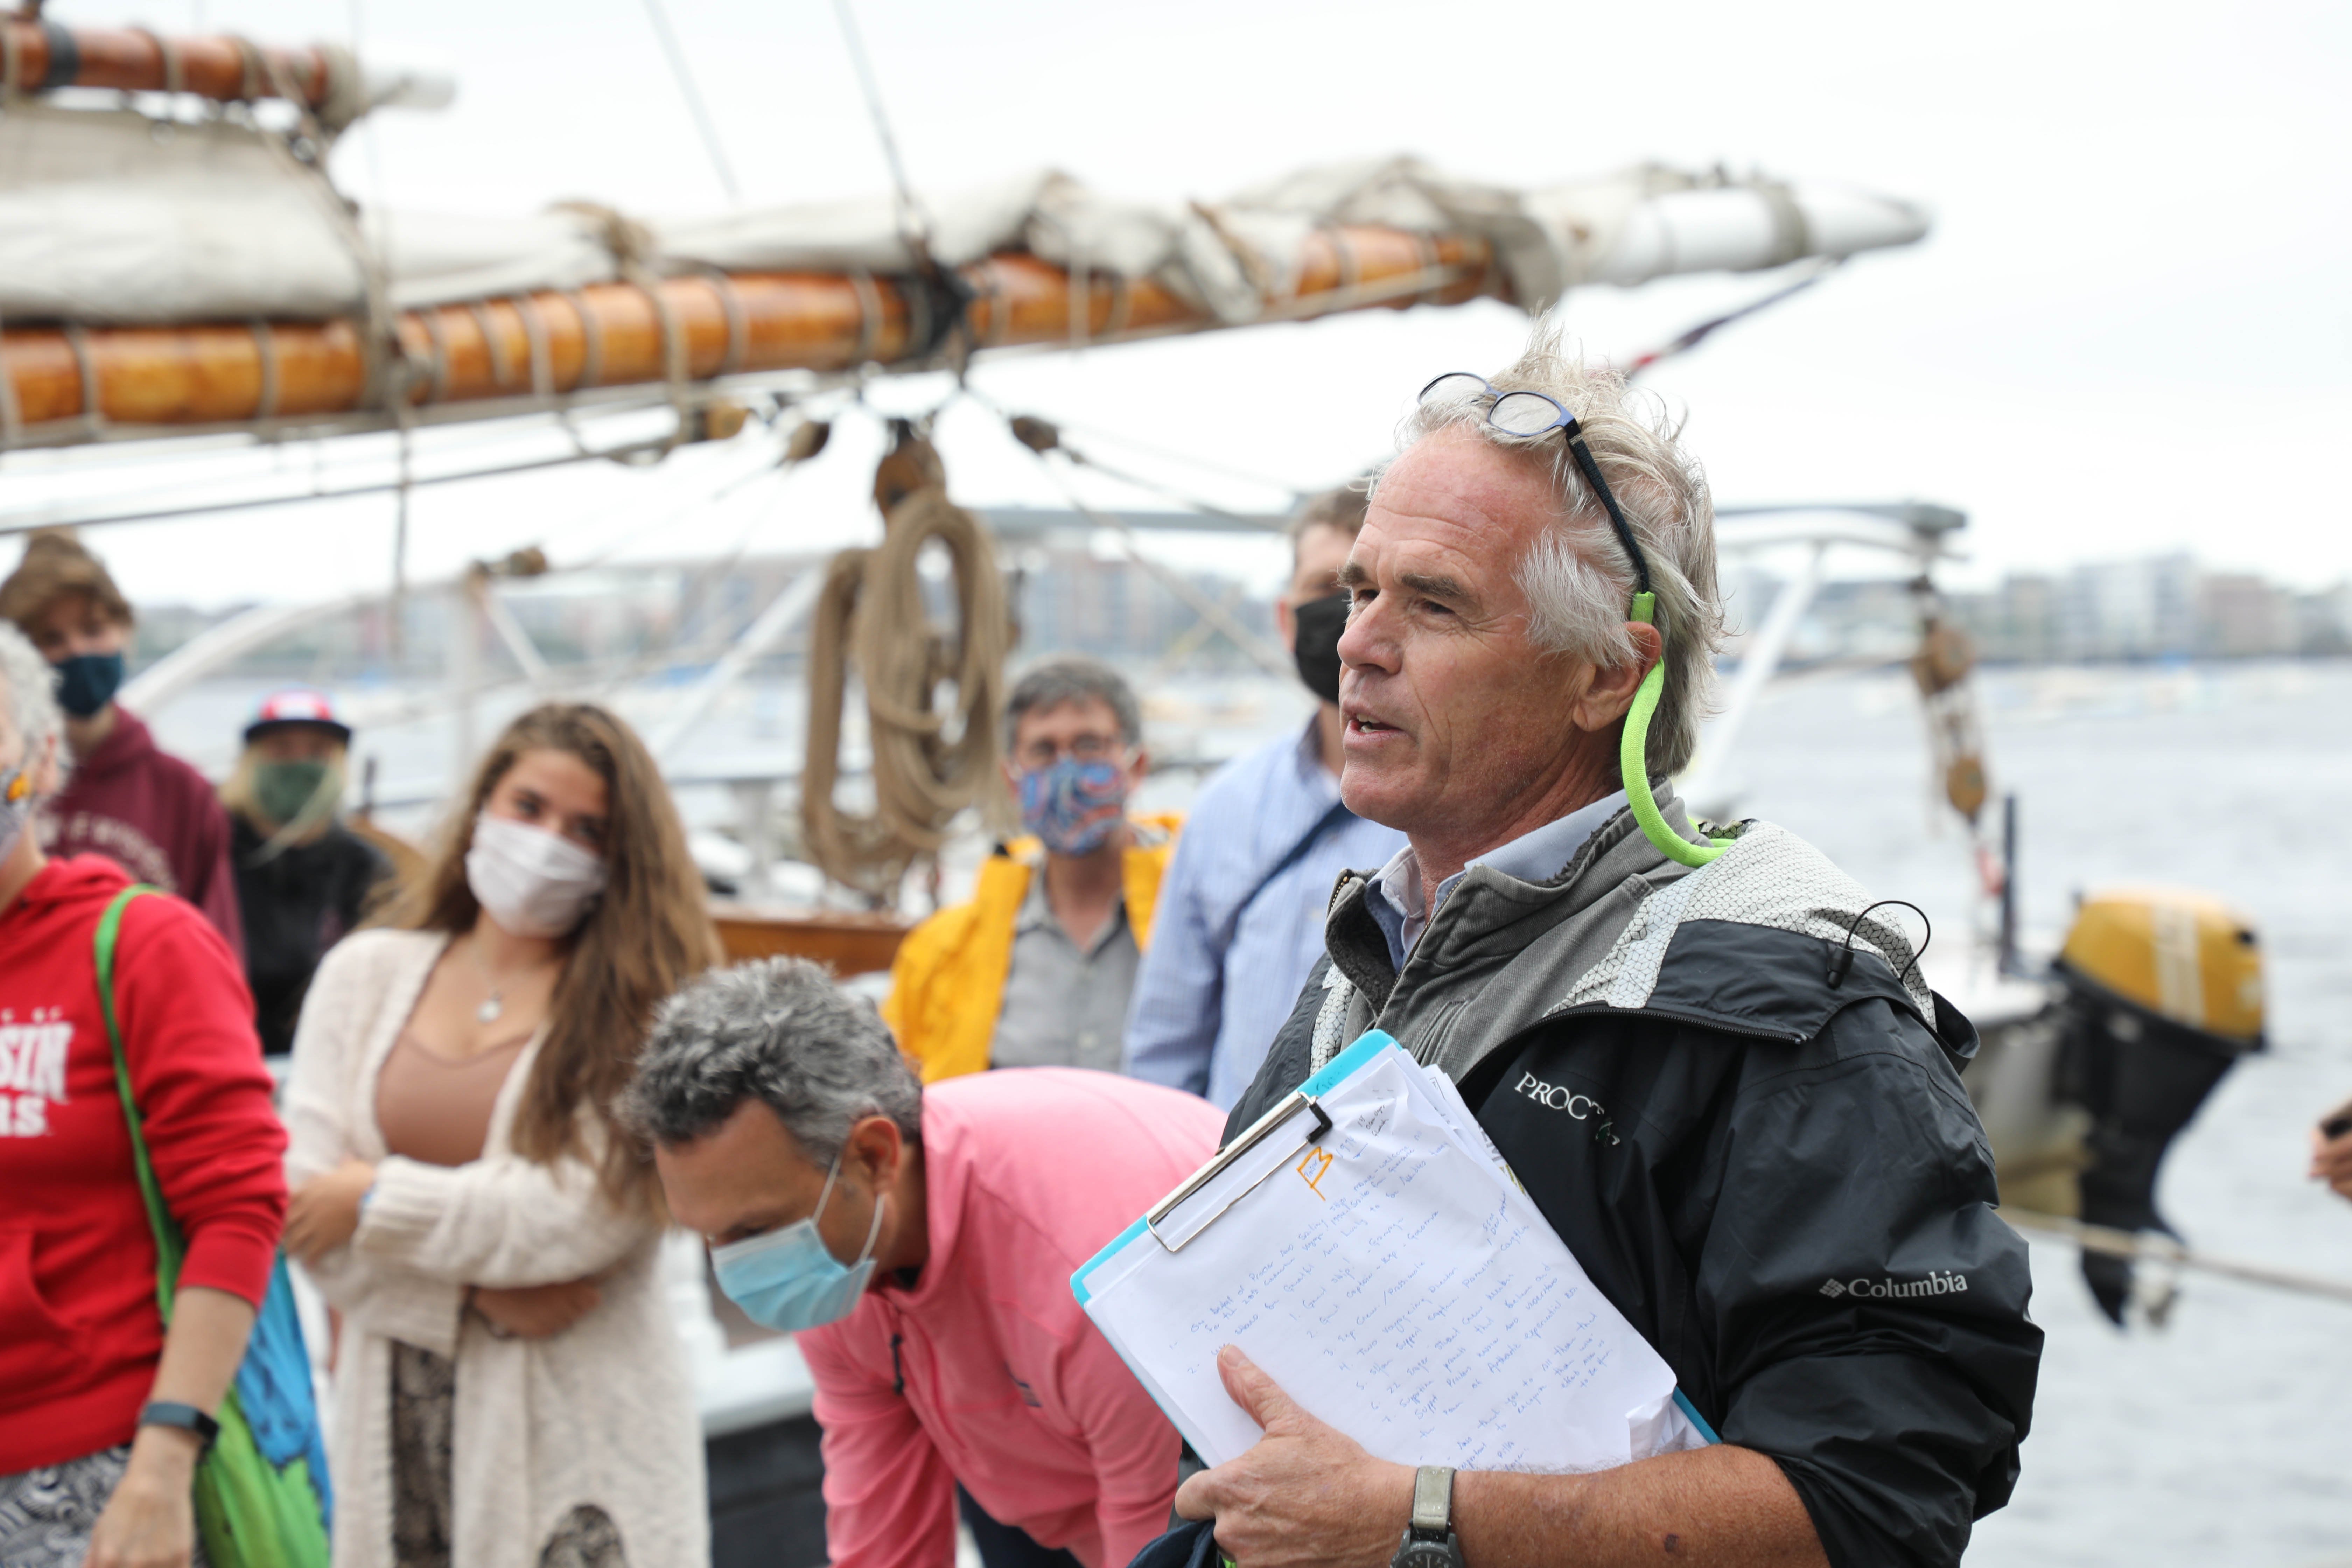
(1068, 593)
(2161, 607)
(2130, 609)
(2323, 622)
(2017, 623)
(2239, 615)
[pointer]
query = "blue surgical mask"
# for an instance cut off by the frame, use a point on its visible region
(87, 681)
(788, 1279)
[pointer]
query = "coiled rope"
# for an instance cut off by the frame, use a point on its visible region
(935, 751)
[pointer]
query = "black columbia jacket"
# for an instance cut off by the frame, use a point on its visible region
(1760, 1151)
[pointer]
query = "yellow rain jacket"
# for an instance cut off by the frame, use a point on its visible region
(947, 984)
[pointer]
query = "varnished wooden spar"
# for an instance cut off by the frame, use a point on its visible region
(44, 54)
(552, 343)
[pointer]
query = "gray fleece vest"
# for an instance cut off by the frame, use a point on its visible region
(1501, 955)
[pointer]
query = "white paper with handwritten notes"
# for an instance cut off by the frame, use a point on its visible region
(1393, 1278)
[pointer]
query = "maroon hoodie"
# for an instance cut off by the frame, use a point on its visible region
(153, 815)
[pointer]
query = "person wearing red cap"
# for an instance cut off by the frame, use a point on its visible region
(304, 879)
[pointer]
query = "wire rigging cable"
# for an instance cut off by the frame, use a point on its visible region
(914, 223)
(1040, 438)
(1707, 329)
(1223, 470)
(684, 74)
(399, 485)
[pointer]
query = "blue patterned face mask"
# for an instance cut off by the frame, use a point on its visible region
(788, 1279)
(1073, 805)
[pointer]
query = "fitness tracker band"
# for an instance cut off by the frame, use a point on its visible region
(186, 1417)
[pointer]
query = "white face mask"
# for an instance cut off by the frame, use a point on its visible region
(531, 882)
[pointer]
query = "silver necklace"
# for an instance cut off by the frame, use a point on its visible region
(494, 1003)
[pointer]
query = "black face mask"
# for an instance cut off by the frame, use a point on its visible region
(1315, 646)
(87, 681)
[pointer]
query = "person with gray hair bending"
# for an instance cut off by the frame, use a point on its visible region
(1706, 1052)
(919, 1242)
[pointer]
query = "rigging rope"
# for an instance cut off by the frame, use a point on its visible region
(1281, 487)
(1261, 653)
(1189, 502)
(914, 223)
(1707, 329)
(693, 94)
(1040, 438)
(2153, 1246)
(932, 758)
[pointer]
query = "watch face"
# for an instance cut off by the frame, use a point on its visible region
(1428, 1554)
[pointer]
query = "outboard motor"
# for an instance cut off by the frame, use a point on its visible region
(2163, 995)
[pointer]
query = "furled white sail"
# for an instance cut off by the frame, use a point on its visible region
(110, 218)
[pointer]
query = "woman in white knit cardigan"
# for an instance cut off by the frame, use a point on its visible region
(509, 1389)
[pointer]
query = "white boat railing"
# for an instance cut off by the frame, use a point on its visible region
(1916, 532)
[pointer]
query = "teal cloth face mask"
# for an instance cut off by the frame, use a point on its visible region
(788, 1279)
(284, 790)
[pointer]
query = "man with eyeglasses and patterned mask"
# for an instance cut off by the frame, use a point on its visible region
(1706, 1052)
(1037, 968)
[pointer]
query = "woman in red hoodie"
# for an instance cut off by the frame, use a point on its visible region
(103, 1412)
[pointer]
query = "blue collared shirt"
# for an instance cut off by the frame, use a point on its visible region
(1394, 900)
(1213, 989)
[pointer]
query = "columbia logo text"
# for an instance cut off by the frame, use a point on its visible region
(1937, 1282)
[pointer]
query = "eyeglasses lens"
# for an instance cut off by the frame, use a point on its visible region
(1525, 414)
(1460, 386)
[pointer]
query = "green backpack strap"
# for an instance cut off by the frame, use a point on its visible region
(168, 1247)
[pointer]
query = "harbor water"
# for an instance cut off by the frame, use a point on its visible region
(2218, 1439)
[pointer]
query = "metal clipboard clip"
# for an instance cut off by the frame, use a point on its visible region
(1257, 1134)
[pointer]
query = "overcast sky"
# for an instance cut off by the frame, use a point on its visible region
(2129, 332)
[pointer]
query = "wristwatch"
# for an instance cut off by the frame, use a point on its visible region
(186, 1417)
(1429, 1539)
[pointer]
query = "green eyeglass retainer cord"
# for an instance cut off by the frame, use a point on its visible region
(1634, 761)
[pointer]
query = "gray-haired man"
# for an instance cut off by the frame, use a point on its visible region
(1724, 1084)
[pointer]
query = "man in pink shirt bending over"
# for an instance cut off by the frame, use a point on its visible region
(919, 1243)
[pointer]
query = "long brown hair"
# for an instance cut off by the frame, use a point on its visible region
(649, 933)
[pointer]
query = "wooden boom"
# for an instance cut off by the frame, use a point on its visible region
(38, 54)
(552, 343)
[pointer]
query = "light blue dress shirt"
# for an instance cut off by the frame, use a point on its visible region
(1208, 1004)
(1394, 900)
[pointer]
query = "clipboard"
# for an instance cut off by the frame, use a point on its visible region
(1397, 1282)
